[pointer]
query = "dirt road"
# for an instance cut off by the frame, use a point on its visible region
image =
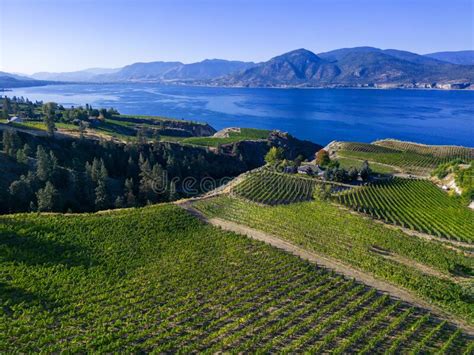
(328, 263)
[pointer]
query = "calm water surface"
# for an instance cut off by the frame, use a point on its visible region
(320, 115)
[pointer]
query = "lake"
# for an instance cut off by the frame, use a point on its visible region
(319, 115)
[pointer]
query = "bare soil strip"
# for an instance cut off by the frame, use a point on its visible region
(327, 262)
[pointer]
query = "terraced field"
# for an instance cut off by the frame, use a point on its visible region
(233, 137)
(449, 152)
(157, 279)
(415, 204)
(436, 272)
(273, 188)
(410, 158)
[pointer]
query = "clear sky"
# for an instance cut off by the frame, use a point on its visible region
(67, 35)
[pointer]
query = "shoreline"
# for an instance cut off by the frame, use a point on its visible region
(178, 84)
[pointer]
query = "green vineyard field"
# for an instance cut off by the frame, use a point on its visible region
(274, 188)
(409, 157)
(448, 152)
(158, 280)
(415, 204)
(360, 242)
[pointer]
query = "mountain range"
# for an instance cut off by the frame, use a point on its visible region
(354, 67)
(346, 67)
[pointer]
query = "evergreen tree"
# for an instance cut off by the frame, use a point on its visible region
(101, 196)
(365, 171)
(11, 142)
(129, 195)
(47, 198)
(46, 164)
(6, 109)
(21, 194)
(49, 113)
(119, 202)
(21, 156)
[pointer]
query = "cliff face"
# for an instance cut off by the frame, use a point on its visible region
(253, 152)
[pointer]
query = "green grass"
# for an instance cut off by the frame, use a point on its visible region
(160, 118)
(251, 133)
(244, 134)
(37, 125)
(348, 163)
(415, 204)
(410, 158)
(34, 125)
(357, 241)
(157, 279)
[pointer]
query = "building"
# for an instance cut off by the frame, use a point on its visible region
(15, 119)
(310, 169)
(289, 170)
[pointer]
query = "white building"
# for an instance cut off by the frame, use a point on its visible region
(15, 119)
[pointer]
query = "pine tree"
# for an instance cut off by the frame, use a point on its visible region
(365, 171)
(101, 196)
(44, 168)
(129, 195)
(47, 198)
(21, 156)
(49, 112)
(11, 142)
(6, 109)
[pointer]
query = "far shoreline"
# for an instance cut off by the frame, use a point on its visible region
(241, 87)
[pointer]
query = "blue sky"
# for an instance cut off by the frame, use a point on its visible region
(66, 35)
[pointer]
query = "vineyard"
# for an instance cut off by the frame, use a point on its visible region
(448, 152)
(409, 157)
(274, 188)
(362, 243)
(158, 280)
(415, 204)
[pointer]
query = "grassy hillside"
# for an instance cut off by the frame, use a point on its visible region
(157, 279)
(429, 269)
(416, 204)
(233, 137)
(347, 163)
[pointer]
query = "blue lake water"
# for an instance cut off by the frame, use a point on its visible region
(320, 115)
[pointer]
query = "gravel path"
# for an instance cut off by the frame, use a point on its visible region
(326, 262)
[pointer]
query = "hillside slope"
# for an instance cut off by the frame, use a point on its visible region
(361, 66)
(158, 280)
(457, 57)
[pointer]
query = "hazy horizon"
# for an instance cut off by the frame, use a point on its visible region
(72, 35)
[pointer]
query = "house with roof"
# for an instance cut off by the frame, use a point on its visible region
(15, 119)
(310, 169)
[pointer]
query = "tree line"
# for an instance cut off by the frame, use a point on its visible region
(82, 175)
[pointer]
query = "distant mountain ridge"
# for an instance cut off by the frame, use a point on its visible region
(80, 75)
(8, 81)
(354, 67)
(345, 67)
(153, 71)
(459, 57)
